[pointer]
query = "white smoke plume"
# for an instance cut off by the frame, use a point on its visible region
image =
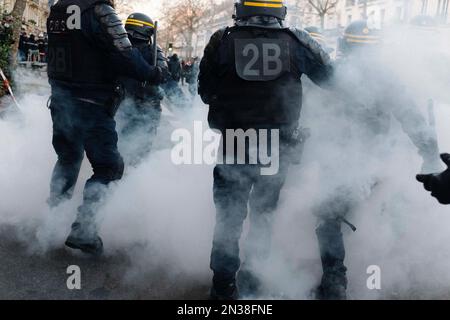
(161, 216)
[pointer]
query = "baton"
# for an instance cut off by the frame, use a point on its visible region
(8, 86)
(155, 45)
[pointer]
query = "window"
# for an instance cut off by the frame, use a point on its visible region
(424, 6)
(398, 13)
(382, 16)
(442, 10)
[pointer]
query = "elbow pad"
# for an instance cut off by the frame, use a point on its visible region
(310, 43)
(112, 25)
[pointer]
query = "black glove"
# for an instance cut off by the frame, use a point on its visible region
(438, 183)
(157, 76)
(166, 76)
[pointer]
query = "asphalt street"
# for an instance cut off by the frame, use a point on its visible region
(28, 275)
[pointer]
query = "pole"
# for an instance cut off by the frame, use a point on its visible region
(155, 45)
(8, 86)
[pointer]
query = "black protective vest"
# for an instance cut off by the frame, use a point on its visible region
(73, 61)
(259, 78)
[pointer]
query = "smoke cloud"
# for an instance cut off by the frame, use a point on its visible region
(161, 216)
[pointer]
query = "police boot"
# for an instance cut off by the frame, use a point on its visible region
(83, 237)
(333, 286)
(249, 283)
(224, 287)
(332, 252)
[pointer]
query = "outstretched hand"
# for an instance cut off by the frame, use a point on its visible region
(439, 183)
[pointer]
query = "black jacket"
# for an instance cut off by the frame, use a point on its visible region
(175, 68)
(85, 61)
(144, 93)
(244, 90)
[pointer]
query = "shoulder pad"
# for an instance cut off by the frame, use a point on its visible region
(84, 5)
(309, 42)
(219, 34)
(217, 37)
(103, 10)
(113, 26)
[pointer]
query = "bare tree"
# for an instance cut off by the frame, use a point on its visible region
(298, 7)
(118, 3)
(167, 28)
(16, 14)
(183, 18)
(322, 8)
(215, 10)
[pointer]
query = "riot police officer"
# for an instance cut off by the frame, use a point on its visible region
(141, 112)
(172, 88)
(250, 76)
(363, 143)
(88, 49)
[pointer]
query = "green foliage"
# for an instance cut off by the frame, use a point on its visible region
(5, 47)
(4, 53)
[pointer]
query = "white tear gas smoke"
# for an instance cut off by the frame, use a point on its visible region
(162, 215)
(394, 216)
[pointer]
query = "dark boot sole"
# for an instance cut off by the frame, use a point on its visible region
(95, 250)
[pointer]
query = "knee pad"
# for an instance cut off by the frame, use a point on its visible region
(111, 172)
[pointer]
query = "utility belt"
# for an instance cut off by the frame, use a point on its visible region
(112, 103)
(101, 96)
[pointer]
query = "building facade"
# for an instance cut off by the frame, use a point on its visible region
(301, 14)
(219, 17)
(34, 17)
(378, 12)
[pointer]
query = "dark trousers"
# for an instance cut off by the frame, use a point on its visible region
(140, 123)
(236, 186)
(331, 246)
(329, 231)
(80, 127)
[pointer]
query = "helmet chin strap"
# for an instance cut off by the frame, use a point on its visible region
(260, 21)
